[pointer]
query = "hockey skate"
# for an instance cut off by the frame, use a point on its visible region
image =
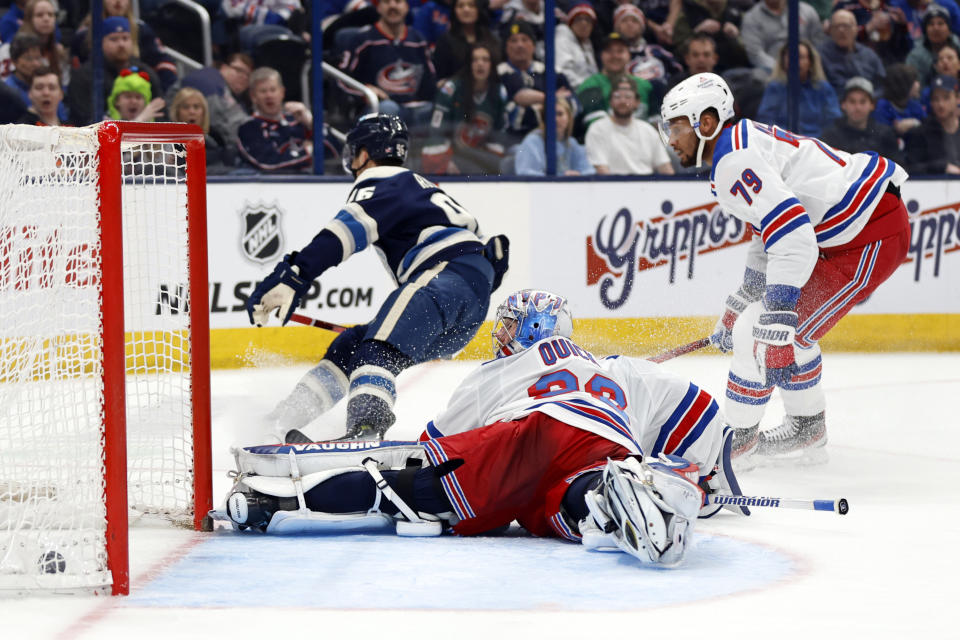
(368, 418)
(364, 432)
(744, 441)
(800, 439)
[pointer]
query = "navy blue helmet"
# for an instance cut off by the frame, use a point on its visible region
(383, 136)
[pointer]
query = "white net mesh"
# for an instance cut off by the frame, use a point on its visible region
(52, 513)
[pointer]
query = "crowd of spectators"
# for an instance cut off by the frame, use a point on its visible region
(468, 77)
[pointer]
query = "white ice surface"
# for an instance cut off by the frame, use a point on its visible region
(887, 569)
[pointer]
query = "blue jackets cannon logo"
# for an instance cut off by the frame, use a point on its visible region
(621, 246)
(261, 238)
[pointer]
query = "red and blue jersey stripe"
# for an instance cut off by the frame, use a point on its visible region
(687, 422)
(782, 219)
(836, 304)
(458, 500)
(562, 528)
(608, 417)
(858, 200)
(739, 135)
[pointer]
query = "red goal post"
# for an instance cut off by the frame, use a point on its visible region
(104, 346)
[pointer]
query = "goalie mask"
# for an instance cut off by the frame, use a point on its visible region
(529, 316)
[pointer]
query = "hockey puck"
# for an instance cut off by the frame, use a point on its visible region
(842, 506)
(52, 562)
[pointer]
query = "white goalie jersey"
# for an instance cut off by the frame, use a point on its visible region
(626, 400)
(798, 194)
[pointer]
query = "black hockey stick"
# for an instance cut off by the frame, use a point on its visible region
(679, 351)
(839, 506)
(320, 324)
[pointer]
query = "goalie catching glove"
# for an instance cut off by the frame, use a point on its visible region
(281, 291)
(646, 509)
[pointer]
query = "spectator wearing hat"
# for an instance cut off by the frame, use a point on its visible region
(572, 160)
(117, 55)
(145, 44)
(818, 102)
(718, 19)
(594, 93)
(914, 10)
(276, 138)
(620, 144)
(648, 61)
(936, 33)
(900, 106)
(531, 12)
(46, 98)
(764, 30)
(393, 60)
(576, 57)
(934, 146)
(469, 25)
(857, 131)
(132, 98)
(525, 81)
(844, 58)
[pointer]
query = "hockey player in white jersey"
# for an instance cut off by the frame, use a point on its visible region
(545, 434)
(829, 227)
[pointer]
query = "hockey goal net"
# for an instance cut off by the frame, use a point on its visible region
(104, 353)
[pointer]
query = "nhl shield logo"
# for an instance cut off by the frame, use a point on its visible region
(262, 239)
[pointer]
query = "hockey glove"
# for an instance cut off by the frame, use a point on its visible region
(750, 291)
(497, 251)
(773, 336)
(281, 291)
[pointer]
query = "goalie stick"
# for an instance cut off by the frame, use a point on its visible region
(839, 506)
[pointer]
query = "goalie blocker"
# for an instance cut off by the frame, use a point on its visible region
(646, 509)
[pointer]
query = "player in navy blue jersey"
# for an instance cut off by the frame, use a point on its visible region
(444, 268)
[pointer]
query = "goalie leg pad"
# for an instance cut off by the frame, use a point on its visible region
(300, 522)
(274, 460)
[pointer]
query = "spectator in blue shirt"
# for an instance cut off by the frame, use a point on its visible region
(26, 56)
(844, 58)
(900, 107)
(432, 19)
(572, 159)
(818, 100)
(11, 20)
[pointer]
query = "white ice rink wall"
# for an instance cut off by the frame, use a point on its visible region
(645, 264)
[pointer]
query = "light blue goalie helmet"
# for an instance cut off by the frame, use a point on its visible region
(529, 316)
